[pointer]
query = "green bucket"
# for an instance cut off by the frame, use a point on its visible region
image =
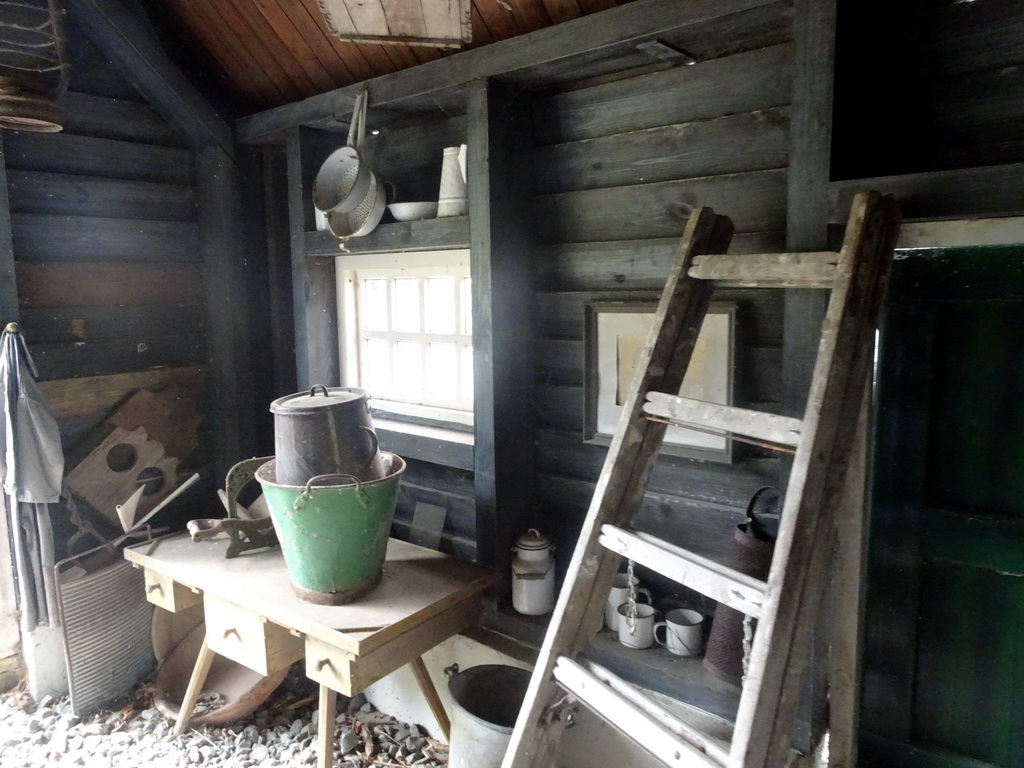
(333, 537)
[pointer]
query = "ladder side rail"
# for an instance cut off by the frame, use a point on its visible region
(620, 487)
(844, 359)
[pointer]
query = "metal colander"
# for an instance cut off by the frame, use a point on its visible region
(344, 179)
(365, 217)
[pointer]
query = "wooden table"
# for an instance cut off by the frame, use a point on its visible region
(253, 617)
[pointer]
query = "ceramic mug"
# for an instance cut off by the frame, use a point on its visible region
(619, 594)
(641, 633)
(684, 632)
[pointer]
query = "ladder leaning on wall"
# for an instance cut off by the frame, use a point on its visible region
(785, 605)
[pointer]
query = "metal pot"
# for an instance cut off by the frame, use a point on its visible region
(324, 432)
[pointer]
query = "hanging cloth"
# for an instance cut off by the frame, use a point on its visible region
(31, 468)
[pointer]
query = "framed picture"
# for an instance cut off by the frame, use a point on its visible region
(615, 335)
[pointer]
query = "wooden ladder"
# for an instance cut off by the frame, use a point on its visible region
(784, 606)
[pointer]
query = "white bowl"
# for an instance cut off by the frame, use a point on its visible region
(413, 211)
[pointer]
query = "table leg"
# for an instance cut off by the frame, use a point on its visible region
(325, 727)
(195, 687)
(430, 694)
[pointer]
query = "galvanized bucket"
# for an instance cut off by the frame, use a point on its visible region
(333, 537)
(487, 701)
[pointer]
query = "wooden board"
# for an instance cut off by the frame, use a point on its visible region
(92, 395)
(168, 417)
(418, 583)
(59, 238)
(100, 283)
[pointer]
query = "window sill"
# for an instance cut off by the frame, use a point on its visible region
(437, 445)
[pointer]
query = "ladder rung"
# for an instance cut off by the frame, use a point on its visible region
(782, 430)
(767, 270)
(640, 723)
(726, 585)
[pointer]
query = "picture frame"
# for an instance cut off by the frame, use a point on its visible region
(615, 333)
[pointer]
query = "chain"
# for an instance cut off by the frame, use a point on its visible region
(748, 640)
(631, 598)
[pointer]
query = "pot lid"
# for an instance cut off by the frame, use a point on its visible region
(533, 540)
(318, 398)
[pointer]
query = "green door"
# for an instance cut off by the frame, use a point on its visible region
(944, 629)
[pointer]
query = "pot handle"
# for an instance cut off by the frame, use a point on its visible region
(375, 444)
(451, 671)
(315, 387)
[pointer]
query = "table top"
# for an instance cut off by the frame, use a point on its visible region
(417, 584)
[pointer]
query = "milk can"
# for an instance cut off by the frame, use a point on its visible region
(533, 574)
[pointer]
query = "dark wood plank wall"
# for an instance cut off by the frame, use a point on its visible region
(617, 168)
(946, 76)
(105, 239)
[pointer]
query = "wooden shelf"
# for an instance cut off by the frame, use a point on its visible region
(424, 235)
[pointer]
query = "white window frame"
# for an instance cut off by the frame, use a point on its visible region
(416, 264)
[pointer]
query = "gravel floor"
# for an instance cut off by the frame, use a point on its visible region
(282, 732)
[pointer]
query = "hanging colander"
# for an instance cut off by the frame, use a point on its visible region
(344, 179)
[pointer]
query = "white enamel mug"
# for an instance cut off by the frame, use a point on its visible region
(638, 633)
(618, 594)
(684, 632)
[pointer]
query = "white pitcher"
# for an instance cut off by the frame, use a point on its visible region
(451, 196)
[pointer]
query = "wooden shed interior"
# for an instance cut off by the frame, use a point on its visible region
(166, 237)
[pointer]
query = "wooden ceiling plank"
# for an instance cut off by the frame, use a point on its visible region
(312, 29)
(234, 20)
(281, 24)
(353, 57)
(377, 58)
(588, 35)
(562, 10)
(531, 15)
(273, 41)
(481, 34)
(500, 20)
(593, 6)
(131, 43)
(228, 49)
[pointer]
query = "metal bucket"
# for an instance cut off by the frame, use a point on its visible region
(333, 537)
(487, 702)
(323, 432)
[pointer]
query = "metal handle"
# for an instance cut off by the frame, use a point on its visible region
(315, 387)
(230, 631)
(375, 444)
(154, 588)
(322, 663)
(451, 671)
(309, 483)
(353, 124)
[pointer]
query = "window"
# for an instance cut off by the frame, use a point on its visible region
(407, 332)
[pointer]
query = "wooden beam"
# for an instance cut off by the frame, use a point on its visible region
(502, 272)
(314, 292)
(994, 190)
(125, 36)
(8, 281)
(810, 133)
(225, 297)
(633, 22)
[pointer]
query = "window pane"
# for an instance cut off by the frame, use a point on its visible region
(442, 371)
(409, 369)
(405, 304)
(374, 314)
(467, 374)
(467, 305)
(440, 301)
(376, 373)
